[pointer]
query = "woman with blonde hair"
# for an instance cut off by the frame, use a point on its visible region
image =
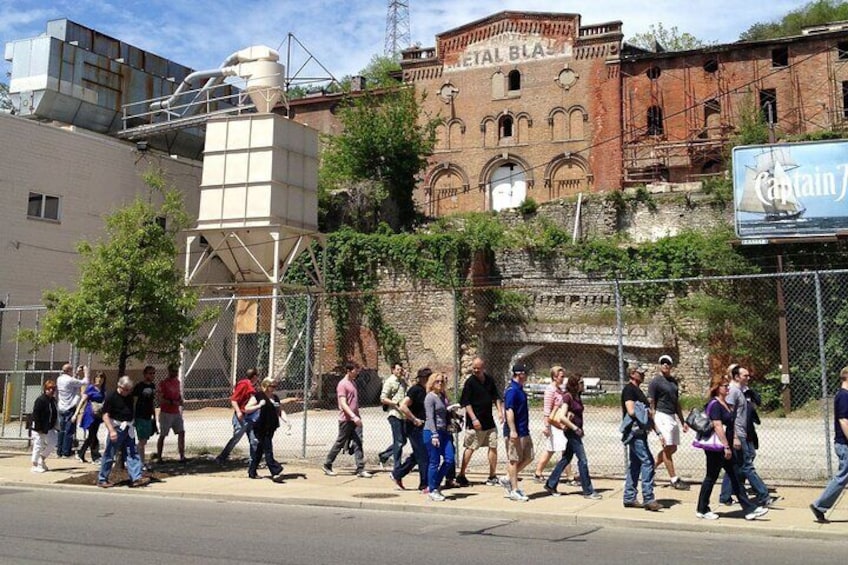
(263, 409)
(554, 438)
(721, 457)
(437, 438)
(91, 416)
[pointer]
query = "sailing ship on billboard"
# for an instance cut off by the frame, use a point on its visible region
(789, 190)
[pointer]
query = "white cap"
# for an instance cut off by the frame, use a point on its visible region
(666, 359)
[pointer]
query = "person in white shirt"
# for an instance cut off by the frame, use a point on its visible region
(68, 389)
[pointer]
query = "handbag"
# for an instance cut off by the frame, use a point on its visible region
(708, 442)
(558, 415)
(96, 408)
(699, 420)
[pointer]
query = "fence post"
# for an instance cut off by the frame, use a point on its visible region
(619, 329)
(823, 367)
(307, 370)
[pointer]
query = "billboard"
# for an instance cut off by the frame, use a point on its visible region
(790, 189)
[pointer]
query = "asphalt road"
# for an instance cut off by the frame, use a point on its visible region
(71, 526)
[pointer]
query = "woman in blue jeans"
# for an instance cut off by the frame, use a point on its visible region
(573, 426)
(438, 440)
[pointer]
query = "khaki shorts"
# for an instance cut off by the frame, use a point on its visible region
(170, 422)
(520, 452)
(668, 427)
(483, 438)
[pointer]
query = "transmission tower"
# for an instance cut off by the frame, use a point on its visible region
(397, 29)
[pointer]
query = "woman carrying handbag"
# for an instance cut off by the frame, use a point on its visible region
(719, 455)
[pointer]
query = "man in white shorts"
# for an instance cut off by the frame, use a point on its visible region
(664, 396)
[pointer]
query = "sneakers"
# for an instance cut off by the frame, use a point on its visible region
(383, 464)
(278, 478)
(398, 482)
(756, 513)
(539, 479)
(106, 484)
(707, 515)
(80, 458)
(552, 491)
(820, 517)
(680, 484)
(328, 471)
(462, 481)
(518, 496)
(593, 496)
(436, 496)
(770, 501)
(424, 490)
(38, 469)
(633, 504)
(506, 485)
(142, 482)
(492, 481)
(363, 474)
(95, 461)
(652, 506)
(44, 464)
(451, 484)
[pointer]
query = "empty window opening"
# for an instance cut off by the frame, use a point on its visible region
(43, 206)
(845, 98)
(505, 126)
(780, 57)
(842, 50)
(768, 105)
(514, 79)
(711, 66)
(655, 120)
(653, 73)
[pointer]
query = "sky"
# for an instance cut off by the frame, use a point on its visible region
(343, 35)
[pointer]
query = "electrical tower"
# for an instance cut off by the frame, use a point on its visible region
(397, 29)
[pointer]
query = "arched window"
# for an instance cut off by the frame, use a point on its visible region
(514, 79)
(655, 120)
(505, 127)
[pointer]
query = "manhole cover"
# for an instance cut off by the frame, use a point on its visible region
(375, 495)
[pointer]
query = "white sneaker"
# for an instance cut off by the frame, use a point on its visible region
(756, 513)
(707, 515)
(436, 496)
(38, 469)
(507, 486)
(518, 496)
(328, 471)
(364, 474)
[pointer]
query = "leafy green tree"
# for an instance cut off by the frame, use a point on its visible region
(382, 141)
(5, 102)
(668, 39)
(811, 14)
(130, 301)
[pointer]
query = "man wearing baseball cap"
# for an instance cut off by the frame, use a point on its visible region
(519, 444)
(664, 396)
(640, 462)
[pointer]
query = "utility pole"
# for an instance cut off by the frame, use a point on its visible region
(397, 29)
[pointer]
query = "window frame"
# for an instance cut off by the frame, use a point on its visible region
(43, 207)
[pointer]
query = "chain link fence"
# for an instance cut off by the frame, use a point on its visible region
(788, 330)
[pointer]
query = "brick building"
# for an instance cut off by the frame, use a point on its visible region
(529, 101)
(680, 109)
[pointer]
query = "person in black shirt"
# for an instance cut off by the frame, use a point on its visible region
(118, 418)
(479, 393)
(45, 421)
(144, 418)
(412, 407)
(634, 405)
(267, 404)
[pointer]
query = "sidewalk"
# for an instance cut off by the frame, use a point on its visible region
(306, 484)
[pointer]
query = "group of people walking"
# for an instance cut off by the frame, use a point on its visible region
(422, 415)
(128, 414)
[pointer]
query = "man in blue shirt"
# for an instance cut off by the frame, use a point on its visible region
(516, 430)
(840, 444)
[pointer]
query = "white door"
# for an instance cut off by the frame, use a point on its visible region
(509, 188)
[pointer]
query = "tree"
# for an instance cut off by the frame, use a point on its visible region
(131, 302)
(813, 13)
(667, 39)
(5, 101)
(383, 142)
